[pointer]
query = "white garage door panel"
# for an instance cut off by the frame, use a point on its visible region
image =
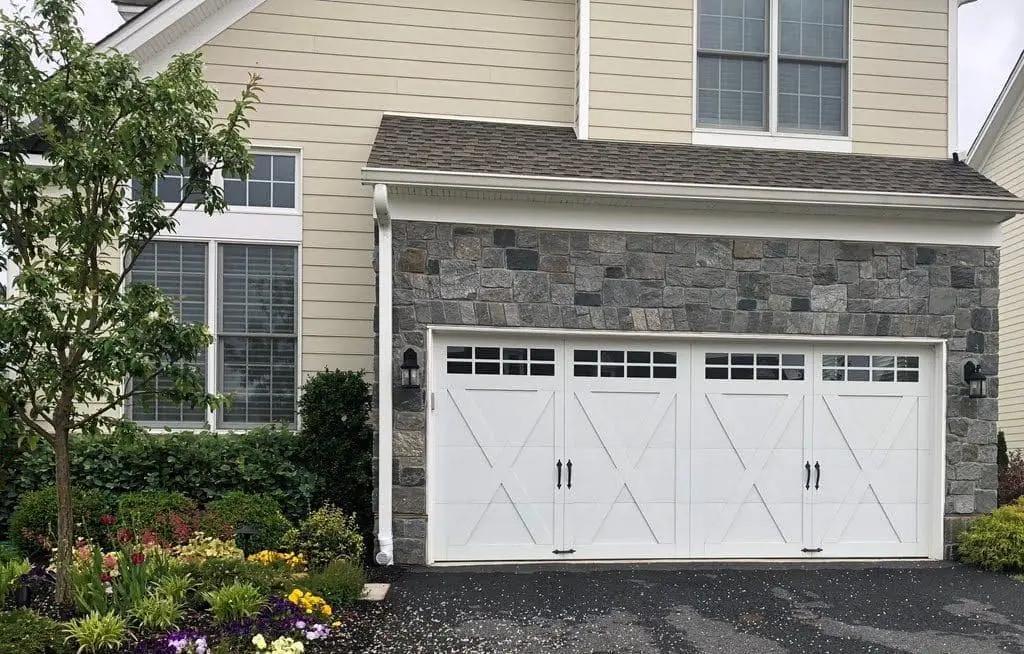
(622, 444)
(748, 442)
(873, 441)
(493, 483)
(705, 449)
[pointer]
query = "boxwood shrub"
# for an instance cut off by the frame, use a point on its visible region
(996, 541)
(204, 466)
(260, 512)
(34, 519)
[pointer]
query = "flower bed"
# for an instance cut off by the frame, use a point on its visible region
(139, 591)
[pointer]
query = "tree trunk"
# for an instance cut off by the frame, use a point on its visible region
(65, 516)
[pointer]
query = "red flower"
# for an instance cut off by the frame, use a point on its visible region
(105, 578)
(124, 535)
(108, 520)
(138, 558)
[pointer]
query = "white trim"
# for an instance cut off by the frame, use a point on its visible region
(479, 119)
(431, 428)
(1009, 99)
(716, 221)
(675, 335)
(246, 225)
(385, 363)
(694, 192)
(172, 27)
(941, 384)
(37, 160)
(772, 137)
(938, 494)
(583, 84)
(952, 69)
(777, 140)
(280, 149)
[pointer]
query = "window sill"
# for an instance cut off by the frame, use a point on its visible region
(744, 139)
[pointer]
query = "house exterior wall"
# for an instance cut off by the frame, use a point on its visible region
(501, 277)
(1005, 166)
(330, 69)
(642, 74)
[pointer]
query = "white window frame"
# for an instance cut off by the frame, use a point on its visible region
(213, 293)
(244, 226)
(773, 137)
(263, 147)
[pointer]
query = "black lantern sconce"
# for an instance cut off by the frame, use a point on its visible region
(410, 369)
(977, 383)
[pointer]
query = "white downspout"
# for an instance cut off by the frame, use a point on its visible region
(385, 418)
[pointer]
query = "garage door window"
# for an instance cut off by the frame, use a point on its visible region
(468, 360)
(864, 368)
(748, 365)
(632, 364)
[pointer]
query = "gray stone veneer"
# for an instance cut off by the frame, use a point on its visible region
(478, 275)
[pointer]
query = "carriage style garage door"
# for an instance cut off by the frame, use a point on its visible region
(585, 448)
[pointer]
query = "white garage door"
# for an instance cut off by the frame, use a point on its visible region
(595, 449)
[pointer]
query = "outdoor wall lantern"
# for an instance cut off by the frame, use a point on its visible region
(977, 383)
(410, 369)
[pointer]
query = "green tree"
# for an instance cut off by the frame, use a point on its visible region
(72, 329)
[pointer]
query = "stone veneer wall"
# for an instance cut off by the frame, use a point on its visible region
(478, 275)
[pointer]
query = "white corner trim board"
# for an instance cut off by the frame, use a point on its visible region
(953, 65)
(382, 217)
(583, 83)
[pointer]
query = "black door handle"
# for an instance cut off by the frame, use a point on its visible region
(817, 477)
(559, 466)
(568, 469)
(808, 466)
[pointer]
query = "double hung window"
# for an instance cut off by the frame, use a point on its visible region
(777, 66)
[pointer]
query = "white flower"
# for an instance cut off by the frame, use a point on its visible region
(259, 641)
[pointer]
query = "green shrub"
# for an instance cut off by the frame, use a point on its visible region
(215, 573)
(26, 632)
(201, 465)
(150, 511)
(328, 534)
(97, 632)
(8, 553)
(9, 574)
(156, 613)
(259, 512)
(996, 541)
(1002, 454)
(338, 441)
(234, 602)
(340, 583)
(33, 524)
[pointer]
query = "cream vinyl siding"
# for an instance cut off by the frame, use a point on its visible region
(642, 73)
(641, 70)
(330, 68)
(1005, 166)
(900, 77)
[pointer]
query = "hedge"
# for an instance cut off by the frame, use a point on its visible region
(202, 465)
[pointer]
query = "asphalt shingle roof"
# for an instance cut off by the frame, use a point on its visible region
(418, 143)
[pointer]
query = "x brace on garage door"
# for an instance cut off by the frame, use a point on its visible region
(603, 448)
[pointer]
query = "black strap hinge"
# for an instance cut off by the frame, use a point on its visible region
(563, 551)
(812, 550)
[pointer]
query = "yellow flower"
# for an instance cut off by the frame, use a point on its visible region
(327, 610)
(336, 623)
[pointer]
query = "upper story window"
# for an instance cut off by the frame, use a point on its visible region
(270, 184)
(773, 65)
(170, 185)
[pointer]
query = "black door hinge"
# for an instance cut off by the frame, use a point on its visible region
(563, 551)
(812, 550)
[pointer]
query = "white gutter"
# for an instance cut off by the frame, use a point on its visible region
(385, 419)
(693, 192)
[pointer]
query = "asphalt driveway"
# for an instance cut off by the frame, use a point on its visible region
(927, 608)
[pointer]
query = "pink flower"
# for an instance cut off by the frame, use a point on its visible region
(105, 578)
(109, 561)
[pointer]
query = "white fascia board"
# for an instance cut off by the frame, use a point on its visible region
(173, 27)
(711, 220)
(1009, 206)
(1009, 98)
